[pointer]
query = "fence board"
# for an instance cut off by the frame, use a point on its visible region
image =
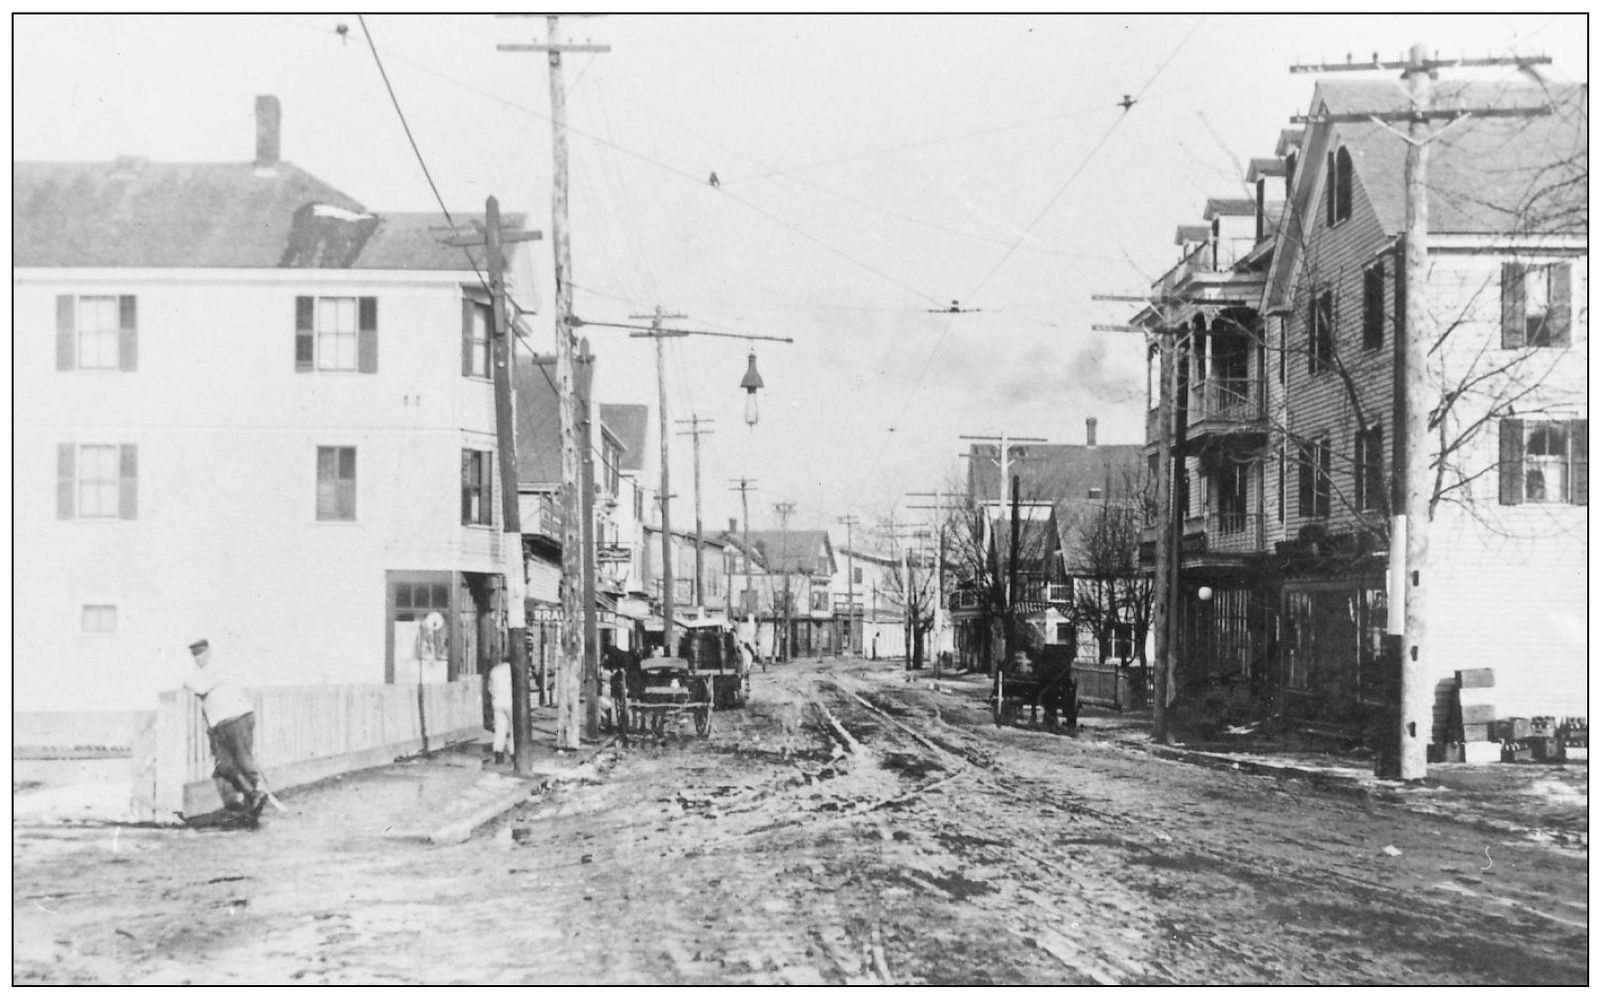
(304, 733)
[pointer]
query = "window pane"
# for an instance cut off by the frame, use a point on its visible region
(97, 332)
(337, 334)
(97, 480)
(99, 619)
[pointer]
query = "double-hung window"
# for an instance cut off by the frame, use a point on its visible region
(1368, 470)
(96, 332)
(96, 481)
(1542, 461)
(1320, 332)
(476, 487)
(1313, 478)
(477, 338)
(1536, 305)
(337, 490)
(337, 334)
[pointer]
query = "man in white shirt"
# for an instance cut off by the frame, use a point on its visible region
(500, 686)
(230, 724)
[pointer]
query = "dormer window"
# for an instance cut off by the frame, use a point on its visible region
(1338, 187)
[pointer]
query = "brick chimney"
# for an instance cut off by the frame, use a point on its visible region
(731, 525)
(1089, 429)
(267, 132)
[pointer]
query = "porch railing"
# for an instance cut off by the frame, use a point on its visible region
(1235, 401)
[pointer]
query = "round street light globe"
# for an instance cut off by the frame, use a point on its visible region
(1205, 593)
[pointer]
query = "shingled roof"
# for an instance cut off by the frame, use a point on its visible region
(133, 213)
(1053, 472)
(791, 551)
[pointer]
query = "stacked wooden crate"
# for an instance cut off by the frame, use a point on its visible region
(1475, 707)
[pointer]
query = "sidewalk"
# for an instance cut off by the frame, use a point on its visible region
(440, 797)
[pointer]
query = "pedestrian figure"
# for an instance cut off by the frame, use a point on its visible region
(875, 635)
(500, 686)
(230, 726)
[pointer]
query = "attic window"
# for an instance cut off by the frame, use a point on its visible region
(1338, 187)
(1095, 492)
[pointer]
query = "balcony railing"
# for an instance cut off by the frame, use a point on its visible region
(1226, 401)
(1219, 532)
(1209, 257)
(1039, 591)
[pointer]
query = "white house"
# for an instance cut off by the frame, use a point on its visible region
(247, 409)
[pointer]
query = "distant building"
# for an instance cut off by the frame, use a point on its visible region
(250, 409)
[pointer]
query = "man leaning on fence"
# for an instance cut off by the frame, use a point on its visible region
(230, 723)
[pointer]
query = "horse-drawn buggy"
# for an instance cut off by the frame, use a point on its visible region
(652, 692)
(1041, 679)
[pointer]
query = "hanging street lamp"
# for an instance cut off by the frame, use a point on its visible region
(751, 384)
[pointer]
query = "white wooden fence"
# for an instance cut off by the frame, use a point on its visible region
(302, 734)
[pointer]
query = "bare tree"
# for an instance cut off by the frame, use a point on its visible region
(1112, 594)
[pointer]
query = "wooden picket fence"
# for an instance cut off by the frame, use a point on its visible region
(1107, 685)
(302, 734)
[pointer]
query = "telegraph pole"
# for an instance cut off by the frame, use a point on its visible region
(667, 592)
(785, 510)
(492, 238)
(750, 607)
(1411, 515)
(567, 681)
(698, 510)
(849, 521)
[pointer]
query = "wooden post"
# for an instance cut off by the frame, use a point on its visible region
(1162, 646)
(1414, 720)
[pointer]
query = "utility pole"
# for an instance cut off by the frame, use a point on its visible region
(492, 238)
(590, 686)
(785, 510)
(667, 592)
(750, 607)
(849, 521)
(698, 511)
(938, 564)
(568, 679)
(1007, 581)
(1411, 515)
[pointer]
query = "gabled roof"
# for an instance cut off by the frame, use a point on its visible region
(629, 422)
(792, 551)
(1053, 472)
(1487, 176)
(133, 213)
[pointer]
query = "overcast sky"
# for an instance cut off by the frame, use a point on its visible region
(871, 169)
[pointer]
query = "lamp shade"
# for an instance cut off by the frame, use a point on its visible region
(751, 378)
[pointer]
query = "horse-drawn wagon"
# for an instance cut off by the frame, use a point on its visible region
(652, 692)
(1043, 679)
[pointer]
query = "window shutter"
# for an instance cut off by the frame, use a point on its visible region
(66, 464)
(1322, 483)
(127, 334)
(66, 309)
(1558, 319)
(1329, 189)
(128, 474)
(468, 360)
(489, 497)
(464, 486)
(1511, 462)
(1312, 335)
(368, 334)
(1513, 305)
(304, 334)
(1374, 305)
(1358, 472)
(1578, 462)
(1343, 185)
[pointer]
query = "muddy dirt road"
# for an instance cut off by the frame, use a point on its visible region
(848, 827)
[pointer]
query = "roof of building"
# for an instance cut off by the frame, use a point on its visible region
(1185, 233)
(536, 420)
(1259, 168)
(792, 551)
(629, 422)
(134, 213)
(1487, 175)
(1220, 206)
(1053, 472)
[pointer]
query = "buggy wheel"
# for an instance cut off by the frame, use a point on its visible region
(701, 719)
